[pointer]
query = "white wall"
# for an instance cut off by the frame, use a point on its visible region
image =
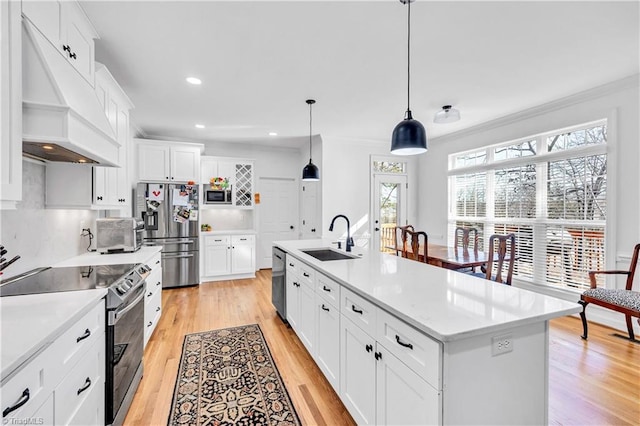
(619, 102)
(41, 236)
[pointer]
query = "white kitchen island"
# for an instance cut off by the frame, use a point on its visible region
(403, 342)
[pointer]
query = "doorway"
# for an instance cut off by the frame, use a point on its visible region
(278, 215)
(389, 208)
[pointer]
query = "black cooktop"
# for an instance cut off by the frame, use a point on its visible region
(52, 280)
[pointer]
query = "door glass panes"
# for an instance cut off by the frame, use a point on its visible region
(389, 167)
(388, 214)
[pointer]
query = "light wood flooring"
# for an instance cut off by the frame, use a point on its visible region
(595, 382)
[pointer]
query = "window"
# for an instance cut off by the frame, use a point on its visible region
(549, 190)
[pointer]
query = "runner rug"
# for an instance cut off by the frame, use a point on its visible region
(228, 376)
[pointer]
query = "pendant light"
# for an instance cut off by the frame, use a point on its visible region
(447, 115)
(310, 171)
(409, 136)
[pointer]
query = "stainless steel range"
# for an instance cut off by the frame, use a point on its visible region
(125, 286)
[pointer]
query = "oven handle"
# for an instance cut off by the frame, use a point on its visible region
(180, 256)
(117, 314)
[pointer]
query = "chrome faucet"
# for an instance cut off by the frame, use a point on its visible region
(349, 242)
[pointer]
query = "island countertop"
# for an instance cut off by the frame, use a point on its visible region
(442, 303)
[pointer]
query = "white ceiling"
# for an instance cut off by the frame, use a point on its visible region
(259, 62)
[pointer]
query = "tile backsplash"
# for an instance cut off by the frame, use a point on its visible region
(42, 237)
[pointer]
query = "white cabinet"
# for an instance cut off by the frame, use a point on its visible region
(94, 187)
(328, 329)
(160, 161)
(64, 384)
(66, 26)
(228, 256)
(239, 173)
(300, 296)
(10, 104)
(153, 297)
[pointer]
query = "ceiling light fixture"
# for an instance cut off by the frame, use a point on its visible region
(409, 136)
(310, 171)
(447, 115)
(194, 80)
(273, 134)
(199, 126)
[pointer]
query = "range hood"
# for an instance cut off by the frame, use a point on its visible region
(62, 118)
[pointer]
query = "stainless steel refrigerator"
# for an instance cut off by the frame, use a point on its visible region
(170, 215)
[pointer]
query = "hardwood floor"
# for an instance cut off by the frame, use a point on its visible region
(595, 382)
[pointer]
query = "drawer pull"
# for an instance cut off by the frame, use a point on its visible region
(150, 294)
(357, 311)
(305, 274)
(324, 308)
(87, 384)
(401, 343)
(86, 334)
(243, 239)
(325, 288)
(378, 356)
(23, 400)
(291, 264)
(369, 348)
(157, 262)
(158, 309)
(150, 324)
(158, 283)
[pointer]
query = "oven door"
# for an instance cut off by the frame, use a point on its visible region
(125, 340)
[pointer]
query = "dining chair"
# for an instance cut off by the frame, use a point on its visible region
(462, 238)
(417, 246)
(625, 301)
(401, 239)
(501, 258)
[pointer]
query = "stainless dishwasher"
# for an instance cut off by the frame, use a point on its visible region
(279, 283)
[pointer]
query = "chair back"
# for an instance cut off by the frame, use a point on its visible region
(417, 242)
(502, 256)
(632, 267)
(462, 237)
(401, 239)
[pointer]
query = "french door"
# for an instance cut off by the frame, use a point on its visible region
(389, 208)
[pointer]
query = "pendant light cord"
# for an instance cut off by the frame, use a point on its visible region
(408, 51)
(310, 131)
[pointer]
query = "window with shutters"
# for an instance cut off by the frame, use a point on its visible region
(550, 190)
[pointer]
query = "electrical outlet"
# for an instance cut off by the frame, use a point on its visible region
(501, 344)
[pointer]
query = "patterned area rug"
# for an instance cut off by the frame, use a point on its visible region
(227, 377)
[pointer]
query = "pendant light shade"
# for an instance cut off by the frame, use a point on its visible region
(447, 115)
(310, 171)
(409, 136)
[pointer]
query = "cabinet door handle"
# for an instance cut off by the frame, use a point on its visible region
(291, 264)
(369, 348)
(86, 334)
(305, 274)
(158, 309)
(325, 288)
(87, 384)
(66, 48)
(23, 400)
(296, 284)
(324, 308)
(378, 356)
(243, 239)
(72, 55)
(158, 283)
(401, 343)
(150, 294)
(357, 311)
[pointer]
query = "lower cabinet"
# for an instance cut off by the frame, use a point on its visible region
(228, 255)
(65, 383)
(327, 345)
(153, 297)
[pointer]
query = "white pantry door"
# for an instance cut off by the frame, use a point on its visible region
(278, 215)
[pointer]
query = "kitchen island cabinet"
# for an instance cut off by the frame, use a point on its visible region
(423, 345)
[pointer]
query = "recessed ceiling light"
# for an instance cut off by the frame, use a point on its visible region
(47, 147)
(273, 134)
(194, 80)
(199, 126)
(82, 160)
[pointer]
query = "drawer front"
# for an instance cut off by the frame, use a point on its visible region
(151, 324)
(359, 310)
(292, 265)
(328, 289)
(243, 239)
(154, 281)
(306, 275)
(217, 240)
(155, 262)
(79, 338)
(152, 308)
(415, 349)
(77, 387)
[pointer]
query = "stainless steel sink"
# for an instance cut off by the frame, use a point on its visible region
(325, 254)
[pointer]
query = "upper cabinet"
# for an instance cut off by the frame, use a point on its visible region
(10, 105)
(161, 161)
(66, 26)
(239, 173)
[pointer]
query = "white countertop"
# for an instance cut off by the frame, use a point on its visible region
(32, 322)
(94, 258)
(232, 232)
(444, 304)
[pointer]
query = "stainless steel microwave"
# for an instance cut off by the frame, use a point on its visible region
(217, 196)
